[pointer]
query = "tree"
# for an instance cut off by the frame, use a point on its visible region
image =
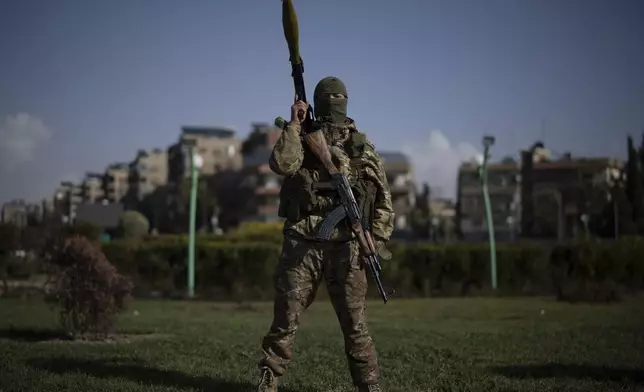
(640, 154)
(87, 288)
(133, 224)
(169, 208)
(421, 214)
(9, 242)
(155, 207)
(634, 186)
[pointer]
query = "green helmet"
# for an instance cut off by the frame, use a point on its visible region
(329, 109)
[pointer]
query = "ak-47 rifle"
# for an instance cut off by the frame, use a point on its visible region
(317, 144)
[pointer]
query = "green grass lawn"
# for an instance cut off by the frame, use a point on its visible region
(424, 345)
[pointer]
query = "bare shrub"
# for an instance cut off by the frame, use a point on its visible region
(87, 288)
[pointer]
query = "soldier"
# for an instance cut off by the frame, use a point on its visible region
(304, 261)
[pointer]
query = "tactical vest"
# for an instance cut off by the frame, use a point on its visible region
(309, 191)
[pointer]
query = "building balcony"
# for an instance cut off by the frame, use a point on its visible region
(267, 190)
(400, 189)
(267, 209)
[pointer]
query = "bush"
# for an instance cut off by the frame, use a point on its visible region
(256, 232)
(222, 270)
(9, 238)
(34, 238)
(597, 272)
(244, 270)
(133, 224)
(9, 242)
(87, 288)
(89, 230)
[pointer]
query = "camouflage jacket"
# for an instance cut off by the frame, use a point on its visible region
(289, 159)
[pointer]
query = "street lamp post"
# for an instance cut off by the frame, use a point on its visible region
(488, 141)
(584, 220)
(435, 224)
(613, 201)
(510, 221)
(196, 162)
(613, 178)
(63, 206)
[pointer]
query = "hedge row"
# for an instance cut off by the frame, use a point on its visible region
(243, 270)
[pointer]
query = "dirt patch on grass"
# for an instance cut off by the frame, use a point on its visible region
(111, 339)
(54, 336)
(241, 307)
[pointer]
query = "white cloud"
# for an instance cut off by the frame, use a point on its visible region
(436, 161)
(21, 135)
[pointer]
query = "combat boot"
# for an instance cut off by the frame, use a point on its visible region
(267, 381)
(369, 388)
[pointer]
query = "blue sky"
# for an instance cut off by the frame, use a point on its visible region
(86, 83)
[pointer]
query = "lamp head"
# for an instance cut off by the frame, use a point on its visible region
(488, 140)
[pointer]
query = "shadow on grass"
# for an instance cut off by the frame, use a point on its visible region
(140, 372)
(598, 373)
(32, 334)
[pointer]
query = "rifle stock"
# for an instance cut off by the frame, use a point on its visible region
(318, 146)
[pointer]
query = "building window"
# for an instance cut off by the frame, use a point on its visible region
(231, 151)
(401, 222)
(271, 183)
(400, 181)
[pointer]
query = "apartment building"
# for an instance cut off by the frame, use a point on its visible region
(147, 172)
(116, 182)
(17, 212)
(67, 198)
(48, 206)
(503, 186)
(92, 188)
(555, 193)
(400, 176)
(258, 191)
(218, 148)
(539, 197)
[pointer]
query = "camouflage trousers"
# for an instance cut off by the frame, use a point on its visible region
(301, 268)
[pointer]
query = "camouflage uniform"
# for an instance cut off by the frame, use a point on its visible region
(305, 262)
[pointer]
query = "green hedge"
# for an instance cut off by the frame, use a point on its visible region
(222, 270)
(243, 270)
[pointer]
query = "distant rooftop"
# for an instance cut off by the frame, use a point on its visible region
(565, 161)
(15, 202)
(258, 157)
(145, 153)
(218, 132)
(393, 157)
(118, 166)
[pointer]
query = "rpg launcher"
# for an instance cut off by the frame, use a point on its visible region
(316, 142)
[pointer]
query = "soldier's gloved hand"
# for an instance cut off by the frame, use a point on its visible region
(382, 250)
(298, 112)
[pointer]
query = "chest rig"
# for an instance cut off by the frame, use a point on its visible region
(309, 191)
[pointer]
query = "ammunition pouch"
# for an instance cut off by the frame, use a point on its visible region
(297, 199)
(303, 194)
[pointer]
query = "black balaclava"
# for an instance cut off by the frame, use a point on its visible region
(328, 109)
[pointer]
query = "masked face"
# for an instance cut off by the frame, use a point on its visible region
(330, 101)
